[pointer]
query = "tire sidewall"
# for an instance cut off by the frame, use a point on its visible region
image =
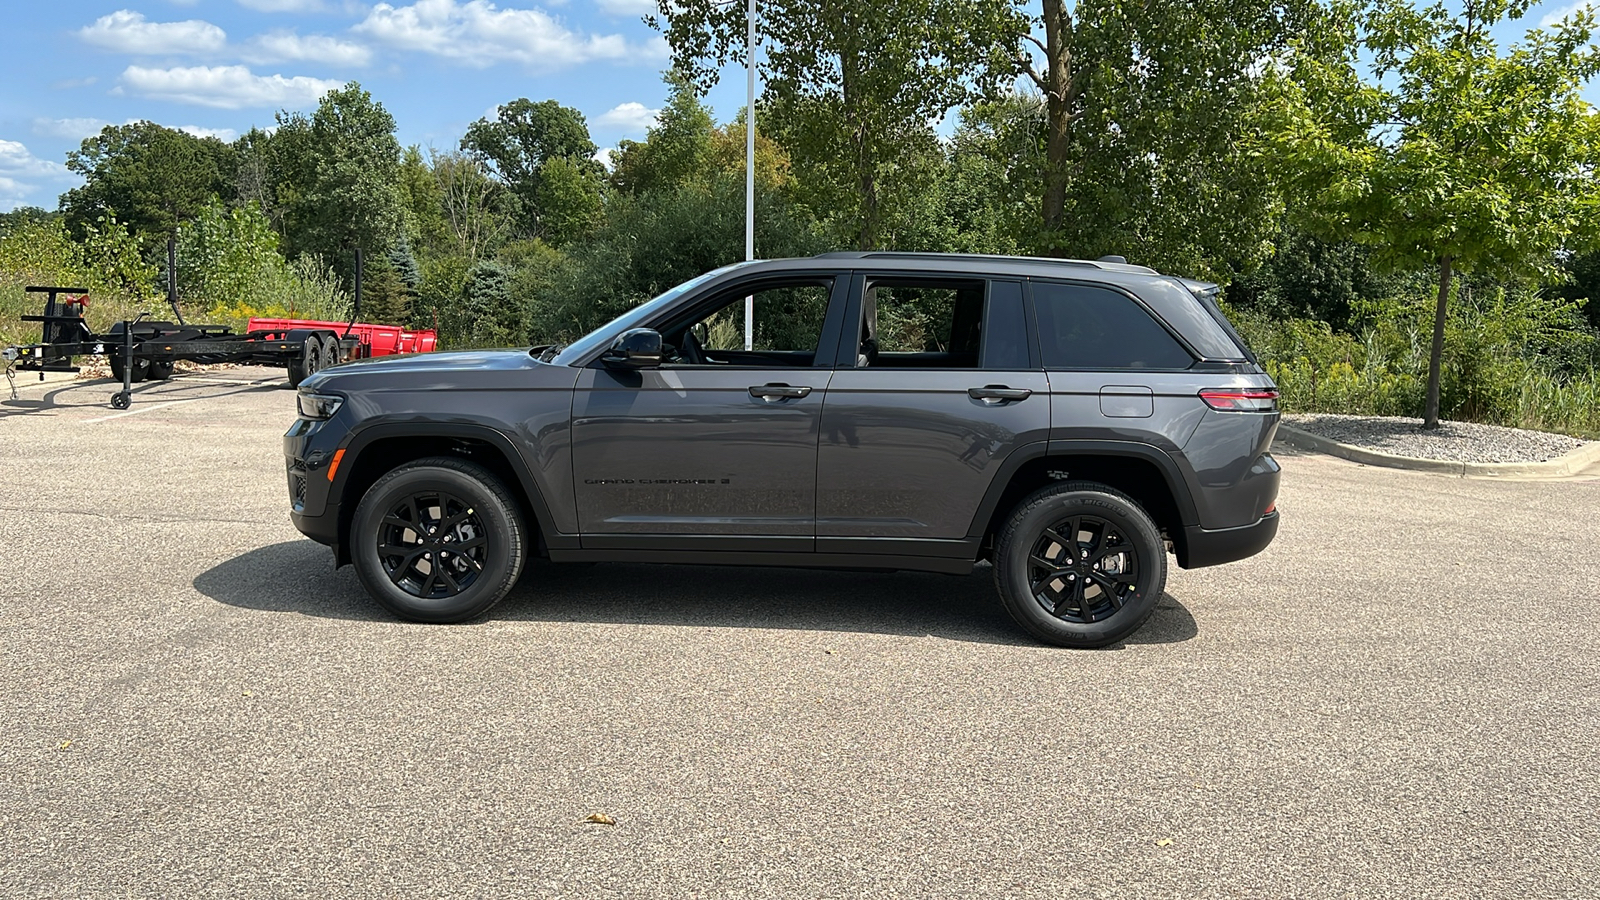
(1040, 512)
(501, 545)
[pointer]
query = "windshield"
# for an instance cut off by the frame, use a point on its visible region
(606, 333)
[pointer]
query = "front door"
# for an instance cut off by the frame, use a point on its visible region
(720, 440)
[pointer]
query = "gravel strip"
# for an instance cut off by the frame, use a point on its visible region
(1455, 441)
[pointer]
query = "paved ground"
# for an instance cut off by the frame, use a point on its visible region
(1400, 698)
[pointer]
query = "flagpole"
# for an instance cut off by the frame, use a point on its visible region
(750, 169)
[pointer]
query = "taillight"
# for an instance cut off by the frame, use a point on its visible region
(1241, 399)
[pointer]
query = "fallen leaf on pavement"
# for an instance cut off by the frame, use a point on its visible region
(599, 819)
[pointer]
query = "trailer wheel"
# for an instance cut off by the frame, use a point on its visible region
(308, 363)
(330, 351)
(160, 369)
(141, 368)
(121, 400)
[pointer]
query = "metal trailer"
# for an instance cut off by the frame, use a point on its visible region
(139, 349)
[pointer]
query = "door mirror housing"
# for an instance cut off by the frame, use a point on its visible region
(636, 348)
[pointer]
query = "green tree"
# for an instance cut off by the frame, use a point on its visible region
(149, 177)
(338, 176)
(650, 243)
(479, 211)
(385, 298)
(568, 199)
(517, 144)
(1453, 157)
(677, 148)
(229, 259)
(422, 203)
(1147, 113)
(850, 90)
(496, 319)
(24, 215)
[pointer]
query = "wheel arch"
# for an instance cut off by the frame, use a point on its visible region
(381, 448)
(1152, 478)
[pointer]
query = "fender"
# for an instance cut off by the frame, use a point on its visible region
(359, 440)
(1171, 472)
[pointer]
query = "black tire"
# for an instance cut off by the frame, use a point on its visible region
(141, 369)
(307, 362)
(330, 352)
(121, 400)
(1111, 586)
(433, 493)
(160, 369)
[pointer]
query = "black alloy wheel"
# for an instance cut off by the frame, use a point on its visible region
(438, 540)
(1083, 568)
(1080, 564)
(431, 544)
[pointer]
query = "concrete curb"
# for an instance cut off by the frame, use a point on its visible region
(1571, 464)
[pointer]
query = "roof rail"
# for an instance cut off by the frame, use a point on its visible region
(1113, 263)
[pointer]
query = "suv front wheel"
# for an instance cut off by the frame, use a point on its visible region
(438, 540)
(1080, 564)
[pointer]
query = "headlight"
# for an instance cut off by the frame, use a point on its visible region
(319, 406)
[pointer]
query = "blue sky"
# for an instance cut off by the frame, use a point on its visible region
(222, 66)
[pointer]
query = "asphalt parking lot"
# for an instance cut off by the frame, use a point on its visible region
(1400, 698)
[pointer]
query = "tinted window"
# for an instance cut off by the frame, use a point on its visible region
(787, 318)
(1005, 336)
(920, 323)
(1083, 327)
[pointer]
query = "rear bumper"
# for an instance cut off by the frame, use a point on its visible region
(1202, 547)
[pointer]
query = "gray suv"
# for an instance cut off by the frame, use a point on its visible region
(1069, 421)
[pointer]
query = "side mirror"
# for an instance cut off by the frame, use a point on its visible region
(637, 348)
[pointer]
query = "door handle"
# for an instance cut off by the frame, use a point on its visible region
(774, 392)
(995, 394)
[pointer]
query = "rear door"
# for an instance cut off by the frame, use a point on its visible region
(937, 389)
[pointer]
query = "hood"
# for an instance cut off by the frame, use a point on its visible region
(413, 370)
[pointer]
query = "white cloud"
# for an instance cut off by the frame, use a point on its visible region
(16, 160)
(628, 7)
(603, 157)
(479, 34)
(1554, 16)
(629, 117)
(225, 135)
(69, 129)
(18, 169)
(286, 45)
(79, 129)
(285, 5)
(126, 31)
(225, 87)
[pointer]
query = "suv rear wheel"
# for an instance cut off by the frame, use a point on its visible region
(1080, 564)
(438, 540)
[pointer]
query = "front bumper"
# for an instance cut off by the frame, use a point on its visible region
(307, 455)
(1212, 547)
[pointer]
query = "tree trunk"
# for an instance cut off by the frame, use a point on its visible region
(1430, 412)
(1059, 95)
(866, 169)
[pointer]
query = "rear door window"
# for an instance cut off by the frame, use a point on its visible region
(1087, 327)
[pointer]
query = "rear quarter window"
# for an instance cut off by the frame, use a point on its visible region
(1087, 327)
